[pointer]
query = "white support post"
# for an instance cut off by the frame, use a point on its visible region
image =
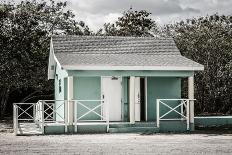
(132, 99)
(187, 114)
(70, 97)
(191, 97)
(75, 117)
(66, 115)
(157, 113)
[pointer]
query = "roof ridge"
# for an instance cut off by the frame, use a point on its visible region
(104, 36)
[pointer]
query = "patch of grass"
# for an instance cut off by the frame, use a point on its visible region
(223, 129)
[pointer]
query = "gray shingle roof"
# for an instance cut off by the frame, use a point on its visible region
(119, 51)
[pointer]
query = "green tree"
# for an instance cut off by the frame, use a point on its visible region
(208, 40)
(25, 31)
(132, 23)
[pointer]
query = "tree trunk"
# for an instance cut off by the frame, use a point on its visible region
(25, 99)
(5, 92)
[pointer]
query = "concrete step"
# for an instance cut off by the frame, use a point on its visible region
(134, 130)
(137, 124)
(28, 129)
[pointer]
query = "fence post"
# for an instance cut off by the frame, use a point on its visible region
(107, 115)
(182, 109)
(34, 113)
(40, 113)
(187, 114)
(42, 110)
(102, 104)
(15, 119)
(66, 115)
(157, 113)
(75, 116)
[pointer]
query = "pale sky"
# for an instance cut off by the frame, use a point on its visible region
(97, 12)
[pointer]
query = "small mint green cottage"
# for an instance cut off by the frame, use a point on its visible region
(120, 84)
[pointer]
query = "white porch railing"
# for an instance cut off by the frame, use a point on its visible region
(183, 114)
(51, 112)
(103, 114)
(48, 112)
(22, 112)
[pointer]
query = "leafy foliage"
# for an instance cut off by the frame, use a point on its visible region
(208, 40)
(25, 31)
(132, 23)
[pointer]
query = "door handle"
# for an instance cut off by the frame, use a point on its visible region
(138, 98)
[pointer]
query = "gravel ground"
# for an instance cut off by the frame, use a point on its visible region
(117, 144)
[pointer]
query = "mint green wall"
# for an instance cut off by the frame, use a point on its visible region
(87, 88)
(87, 85)
(212, 121)
(60, 75)
(162, 88)
(86, 73)
(65, 88)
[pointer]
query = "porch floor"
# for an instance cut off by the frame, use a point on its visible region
(114, 127)
(33, 129)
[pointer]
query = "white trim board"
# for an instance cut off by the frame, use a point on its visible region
(166, 68)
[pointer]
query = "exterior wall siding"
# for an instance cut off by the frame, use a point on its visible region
(60, 91)
(162, 88)
(87, 88)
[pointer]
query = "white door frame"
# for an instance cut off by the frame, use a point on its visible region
(120, 77)
(145, 87)
(145, 97)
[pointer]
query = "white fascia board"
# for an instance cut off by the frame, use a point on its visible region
(51, 62)
(58, 63)
(160, 68)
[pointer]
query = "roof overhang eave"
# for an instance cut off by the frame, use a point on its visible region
(158, 68)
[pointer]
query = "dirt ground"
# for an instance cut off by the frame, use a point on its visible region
(6, 126)
(211, 141)
(117, 144)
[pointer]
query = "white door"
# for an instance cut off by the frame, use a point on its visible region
(111, 92)
(137, 99)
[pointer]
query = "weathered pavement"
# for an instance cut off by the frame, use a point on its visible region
(117, 144)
